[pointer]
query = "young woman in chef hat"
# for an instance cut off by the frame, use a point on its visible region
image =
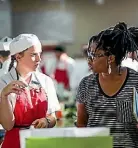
(28, 97)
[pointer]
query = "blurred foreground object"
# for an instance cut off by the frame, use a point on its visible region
(71, 137)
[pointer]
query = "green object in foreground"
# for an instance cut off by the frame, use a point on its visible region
(73, 142)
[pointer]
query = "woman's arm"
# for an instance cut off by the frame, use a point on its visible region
(48, 122)
(82, 117)
(6, 111)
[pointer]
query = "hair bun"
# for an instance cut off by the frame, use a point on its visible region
(121, 26)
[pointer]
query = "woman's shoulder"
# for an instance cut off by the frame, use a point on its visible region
(132, 78)
(43, 77)
(40, 74)
(132, 73)
(5, 78)
(88, 79)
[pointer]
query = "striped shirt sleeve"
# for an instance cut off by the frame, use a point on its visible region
(80, 96)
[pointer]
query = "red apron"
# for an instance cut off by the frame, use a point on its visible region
(25, 113)
(61, 76)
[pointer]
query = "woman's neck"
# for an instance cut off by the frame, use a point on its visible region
(24, 73)
(115, 73)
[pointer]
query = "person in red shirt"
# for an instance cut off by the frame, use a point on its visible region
(62, 68)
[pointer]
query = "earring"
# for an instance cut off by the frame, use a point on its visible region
(109, 69)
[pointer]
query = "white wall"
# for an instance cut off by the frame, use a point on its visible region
(5, 19)
(89, 17)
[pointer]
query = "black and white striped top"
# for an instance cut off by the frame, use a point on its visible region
(115, 112)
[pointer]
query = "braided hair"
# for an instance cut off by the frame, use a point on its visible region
(117, 41)
(12, 62)
(13, 59)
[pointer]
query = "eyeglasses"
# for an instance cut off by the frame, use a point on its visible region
(91, 55)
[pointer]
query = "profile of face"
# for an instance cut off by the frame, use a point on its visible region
(99, 60)
(1, 59)
(30, 59)
(4, 55)
(58, 54)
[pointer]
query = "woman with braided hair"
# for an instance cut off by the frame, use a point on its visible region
(105, 98)
(27, 97)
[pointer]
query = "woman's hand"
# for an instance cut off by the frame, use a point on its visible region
(40, 123)
(14, 87)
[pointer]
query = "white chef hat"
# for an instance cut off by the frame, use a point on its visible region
(22, 42)
(4, 43)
